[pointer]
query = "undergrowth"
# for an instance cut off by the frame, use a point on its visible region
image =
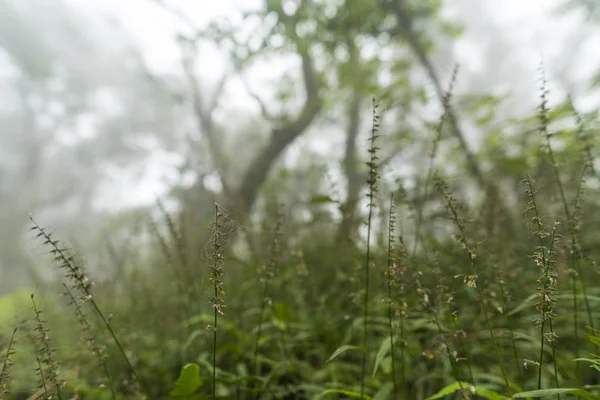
(311, 317)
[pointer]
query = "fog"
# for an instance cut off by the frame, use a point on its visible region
(106, 107)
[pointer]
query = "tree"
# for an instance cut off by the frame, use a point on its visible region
(75, 109)
(344, 54)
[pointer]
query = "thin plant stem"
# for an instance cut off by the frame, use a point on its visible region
(547, 280)
(8, 362)
(574, 259)
(390, 280)
(267, 274)
(214, 369)
(472, 279)
(436, 141)
(373, 175)
(80, 281)
(87, 329)
(589, 163)
(217, 273)
(511, 331)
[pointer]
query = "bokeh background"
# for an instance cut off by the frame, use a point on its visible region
(108, 106)
(115, 114)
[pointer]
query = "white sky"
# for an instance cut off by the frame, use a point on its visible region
(526, 23)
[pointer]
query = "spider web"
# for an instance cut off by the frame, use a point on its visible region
(227, 227)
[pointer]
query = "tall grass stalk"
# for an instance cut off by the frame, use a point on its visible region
(400, 278)
(575, 268)
(372, 183)
(543, 257)
(90, 339)
(434, 147)
(472, 278)
(425, 299)
(391, 273)
(585, 138)
(575, 261)
(174, 252)
(441, 296)
(511, 328)
(7, 363)
(268, 272)
(48, 367)
(216, 271)
(80, 281)
(403, 382)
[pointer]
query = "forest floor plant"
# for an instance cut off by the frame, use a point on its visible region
(372, 190)
(391, 274)
(217, 273)
(544, 258)
(266, 276)
(471, 279)
(79, 281)
(575, 250)
(418, 315)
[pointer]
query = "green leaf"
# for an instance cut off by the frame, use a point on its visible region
(321, 199)
(385, 392)
(282, 312)
(343, 349)
(594, 362)
(489, 394)
(348, 393)
(593, 339)
(386, 344)
(582, 394)
(456, 386)
(526, 303)
(188, 382)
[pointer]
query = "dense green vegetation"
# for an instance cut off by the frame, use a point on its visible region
(479, 306)
(472, 276)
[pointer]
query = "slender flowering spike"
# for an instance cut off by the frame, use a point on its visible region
(544, 258)
(585, 138)
(48, 367)
(66, 261)
(372, 182)
(267, 272)
(217, 272)
(471, 279)
(372, 163)
(8, 362)
(216, 262)
(75, 274)
(391, 274)
(446, 103)
(89, 337)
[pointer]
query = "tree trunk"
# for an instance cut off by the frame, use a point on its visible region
(281, 137)
(349, 222)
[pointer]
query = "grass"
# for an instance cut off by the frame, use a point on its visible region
(451, 318)
(372, 183)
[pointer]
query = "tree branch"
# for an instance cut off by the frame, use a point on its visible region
(282, 136)
(406, 30)
(354, 178)
(204, 115)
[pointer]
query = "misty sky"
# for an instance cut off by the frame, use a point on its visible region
(531, 27)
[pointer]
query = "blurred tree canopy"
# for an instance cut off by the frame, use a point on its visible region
(387, 44)
(81, 106)
(75, 104)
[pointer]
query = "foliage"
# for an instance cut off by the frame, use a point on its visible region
(73, 115)
(439, 289)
